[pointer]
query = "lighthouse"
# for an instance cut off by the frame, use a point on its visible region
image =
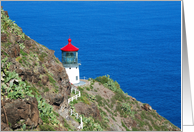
(70, 62)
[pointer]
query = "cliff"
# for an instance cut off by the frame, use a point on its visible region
(35, 90)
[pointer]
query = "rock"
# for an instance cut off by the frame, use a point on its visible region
(138, 116)
(19, 39)
(59, 68)
(21, 109)
(12, 38)
(113, 128)
(147, 107)
(28, 43)
(88, 110)
(14, 50)
(56, 99)
(3, 37)
(133, 99)
(4, 127)
(129, 122)
(44, 80)
(52, 52)
(6, 13)
(41, 70)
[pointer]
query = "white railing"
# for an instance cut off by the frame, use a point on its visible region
(85, 78)
(76, 116)
(75, 96)
(71, 99)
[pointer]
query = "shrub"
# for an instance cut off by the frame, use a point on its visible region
(45, 119)
(99, 100)
(103, 79)
(80, 88)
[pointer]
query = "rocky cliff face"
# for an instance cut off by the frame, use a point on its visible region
(37, 66)
(35, 89)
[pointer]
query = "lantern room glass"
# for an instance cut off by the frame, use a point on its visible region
(69, 57)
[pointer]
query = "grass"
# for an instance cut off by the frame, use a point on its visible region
(45, 119)
(40, 84)
(101, 111)
(34, 90)
(18, 59)
(87, 88)
(134, 129)
(23, 53)
(42, 56)
(46, 127)
(46, 89)
(56, 60)
(99, 100)
(51, 80)
(84, 99)
(125, 126)
(66, 125)
(143, 115)
(56, 113)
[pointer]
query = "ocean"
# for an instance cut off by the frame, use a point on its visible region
(137, 43)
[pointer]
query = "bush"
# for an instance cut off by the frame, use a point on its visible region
(99, 100)
(102, 79)
(45, 119)
(80, 88)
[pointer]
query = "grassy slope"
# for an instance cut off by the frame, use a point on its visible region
(120, 107)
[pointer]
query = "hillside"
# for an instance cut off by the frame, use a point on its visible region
(35, 90)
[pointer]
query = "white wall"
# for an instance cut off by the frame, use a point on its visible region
(72, 73)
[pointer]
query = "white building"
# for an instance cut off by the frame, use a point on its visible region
(70, 62)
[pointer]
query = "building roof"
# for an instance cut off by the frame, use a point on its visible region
(69, 47)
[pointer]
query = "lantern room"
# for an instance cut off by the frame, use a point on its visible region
(70, 61)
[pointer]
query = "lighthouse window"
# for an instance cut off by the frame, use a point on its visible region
(69, 67)
(76, 67)
(76, 77)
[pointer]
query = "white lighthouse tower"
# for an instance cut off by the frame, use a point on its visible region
(70, 62)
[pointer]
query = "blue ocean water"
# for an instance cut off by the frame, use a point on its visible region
(137, 43)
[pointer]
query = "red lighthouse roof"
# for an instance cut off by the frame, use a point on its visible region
(69, 47)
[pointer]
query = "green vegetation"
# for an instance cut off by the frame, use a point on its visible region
(46, 89)
(23, 53)
(66, 125)
(109, 83)
(125, 126)
(6, 23)
(46, 127)
(21, 89)
(91, 125)
(46, 111)
(51, 80)
(56, 60)
(14, 91)
(42, 56)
